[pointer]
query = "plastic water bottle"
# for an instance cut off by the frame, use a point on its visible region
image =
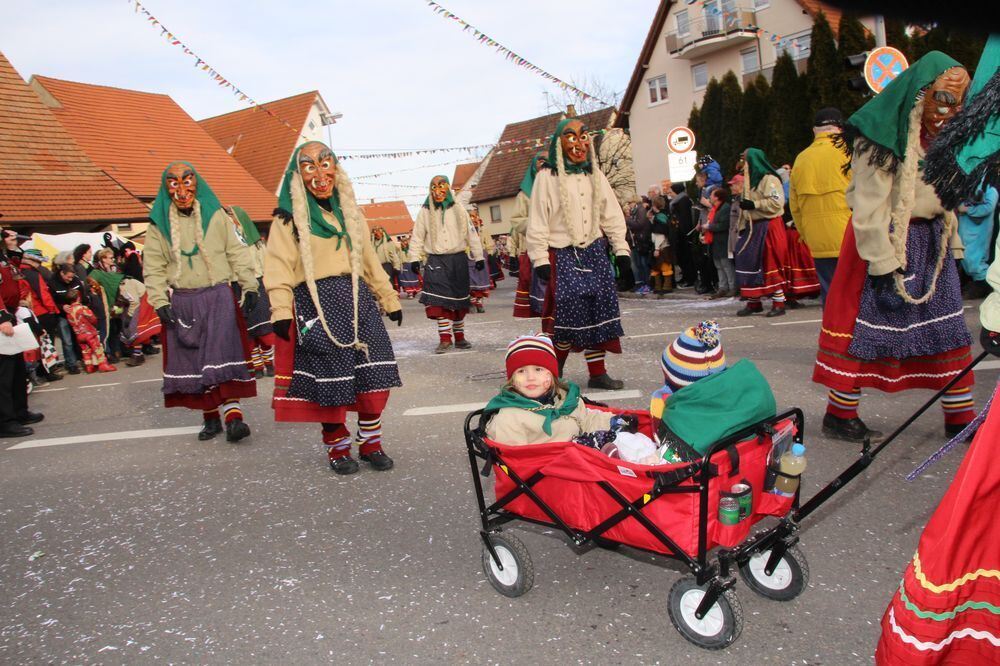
(793, 463)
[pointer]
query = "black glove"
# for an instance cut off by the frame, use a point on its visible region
(415, 266)
(250, 299)
(990, 341)
(626, 423)
(513, 264)
(480, 265)
(281, 328)
(746, 204)
(626, 280)
(166, 315)
(397, 317)
(885, 291)
(543, 272)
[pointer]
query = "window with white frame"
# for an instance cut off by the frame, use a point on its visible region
(495, 214)
(749, 60)
(699, 76)
(683, 24)
(799, 45)
(657, 89)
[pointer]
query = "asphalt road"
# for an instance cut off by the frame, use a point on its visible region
(160, 548)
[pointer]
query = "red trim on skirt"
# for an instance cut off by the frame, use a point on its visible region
(775, 261)
(148, 324)
(840, 370)
(438, 312)
(479, 293)
(522, 292)
(297, 410)
(801, 275)
(613, 346)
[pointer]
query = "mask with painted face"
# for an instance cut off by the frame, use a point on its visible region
(182, 186)
(439, 189)
(943, 99)
(318, 168)
(575, 142)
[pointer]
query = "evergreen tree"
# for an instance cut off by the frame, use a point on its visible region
(895, 36)
(731, 141)
(964, 48)
(755, 121)
(791, 118)
(823, 67)
(694, 124)
(711, 120)
(852, 40)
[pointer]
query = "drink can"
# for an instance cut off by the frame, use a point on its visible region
(729, 510)
(744, 496)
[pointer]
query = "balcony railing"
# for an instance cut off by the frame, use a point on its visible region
(708, 33)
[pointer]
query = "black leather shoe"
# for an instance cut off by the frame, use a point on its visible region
(344, 465)
(775, 312)
(236, 430)
(950, 429)
(378, 460)
(605, 382)
(73, 369)
(442, 347)
(747, 311)
(15, 429)
(51, 375)
(27, 418)
(210, 429)
(463, 344)
(849, 430)
(150, 350)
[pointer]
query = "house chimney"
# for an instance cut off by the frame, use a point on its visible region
(571, 111)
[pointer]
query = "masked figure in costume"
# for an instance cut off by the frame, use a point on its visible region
(332, 355)
(191, 255)
(573, 209)
(529, 295)
(894, 318)
(258, 319)
(388, 255)
(444, 232)
(480, 281)
(409, 281)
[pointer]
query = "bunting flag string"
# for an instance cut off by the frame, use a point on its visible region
(499, 148)
(395, 171)
(200, 63)
(509, 55)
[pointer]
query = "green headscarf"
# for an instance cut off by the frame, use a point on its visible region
(511, 398)
(449, 200)
(207, 202)
(554, 145)
(110, 283)
(884, 120)
(250, 233)
(318, 226)
(759, 166)
(529, 176)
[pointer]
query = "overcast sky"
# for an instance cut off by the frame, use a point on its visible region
(403, 76)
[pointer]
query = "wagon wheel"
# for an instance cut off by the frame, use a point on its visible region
(518, 573)
(721, 625)
(789, 578)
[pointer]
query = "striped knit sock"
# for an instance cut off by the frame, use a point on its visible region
(958, 406)
(477, 300)
(369, 435)
(210, 414)
(778, 297)
(458, 326)
(562, 353)
(257, 358)
(267, 351)
(444, 329)
(231, 410)
(754, 304)
(843, 405)
(595, 362)
(337, 440)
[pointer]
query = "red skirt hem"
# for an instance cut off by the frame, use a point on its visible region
(775, 262)
(438, 312)
(801, 278)
(522, 293)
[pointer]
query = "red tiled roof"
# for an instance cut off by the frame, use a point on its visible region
(134, 135)
(463, 172)
(393, 216)
(502, 176)
(44, 175)
(258, 140)
(833, 14)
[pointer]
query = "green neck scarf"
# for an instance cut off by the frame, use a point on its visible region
(250, 233)
(511, 398)
(449, 200)
(759, 166)
(208, 204)
(318, 226)
(555, 145)
(884, 120)
(110, 282)
(528, 181)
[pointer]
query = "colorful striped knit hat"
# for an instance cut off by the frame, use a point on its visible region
(532, 350)
(695, 354)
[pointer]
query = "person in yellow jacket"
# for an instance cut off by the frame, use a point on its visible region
(817, 198)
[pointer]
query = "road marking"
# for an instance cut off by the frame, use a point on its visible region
(471, 406)
(733, 328)
(48, 390)
(143, 381)
(470, 323)
(106, 437)
(989, 365)
(651, 335)
(801, 321)
(100, 385)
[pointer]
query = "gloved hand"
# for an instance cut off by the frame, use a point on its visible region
(480, 265)
(397, 317)
(625, 277)
(746, 204)
(415, 267)
(281, 328)
(543, 272)
(513, 264)
(885, 291)
(166, 315)
(990, 341)
(625, 422)
(250, 299)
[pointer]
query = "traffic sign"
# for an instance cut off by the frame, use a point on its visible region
(680, 140)
(883, 65)
(682, 166)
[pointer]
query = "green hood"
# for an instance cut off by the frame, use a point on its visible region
(207, 202)
(250, 233)
(759, 166)
(318, 226)
(511, 398)
(554, 145)
(528, 181)
(378, 241)
(884, 121)
(449, 200)
(110, 282)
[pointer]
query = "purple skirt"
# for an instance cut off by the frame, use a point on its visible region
(479, 279)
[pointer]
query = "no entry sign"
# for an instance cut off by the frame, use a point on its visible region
(680, 140)
(883, 65)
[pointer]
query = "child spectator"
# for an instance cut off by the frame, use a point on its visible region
(84, 324)
(696, 353)
(662, 272)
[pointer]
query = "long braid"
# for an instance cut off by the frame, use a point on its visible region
(175, 243)
(561, 176)
(199, 240)
(595, 183)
